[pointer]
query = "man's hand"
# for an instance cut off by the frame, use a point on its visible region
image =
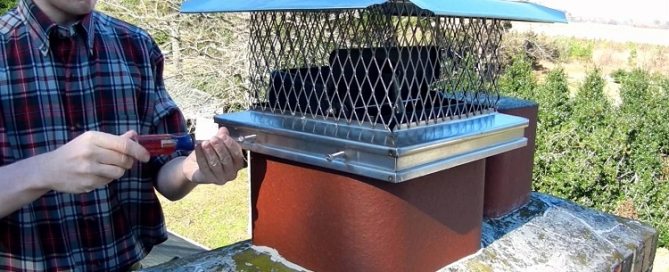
(90, 161)
(214, 161)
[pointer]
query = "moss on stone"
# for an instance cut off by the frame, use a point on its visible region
(478, 267)
(582, 259)
(250, 260)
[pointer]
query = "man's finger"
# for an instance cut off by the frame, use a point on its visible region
(223, 132)
(130, 134)
(123, 144)
(202, 163)
(228, 168)
(235, 150)
(111, 157)
(214, 160)
(109, 172)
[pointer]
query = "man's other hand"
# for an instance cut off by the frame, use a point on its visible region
(216, 160)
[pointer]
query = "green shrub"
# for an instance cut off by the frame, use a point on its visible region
(595, 153)
(518, 78)
(6, 5)
(580, 49)
(592, 108)
(554, 95)
(632, 58)
(618, 75)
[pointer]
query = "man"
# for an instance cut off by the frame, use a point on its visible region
(77, 192)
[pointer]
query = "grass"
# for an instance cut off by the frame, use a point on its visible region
(212, 215)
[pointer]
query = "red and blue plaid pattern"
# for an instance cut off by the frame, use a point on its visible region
(100, 74)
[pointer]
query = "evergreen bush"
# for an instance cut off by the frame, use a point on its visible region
(6, 5)
(595, 153)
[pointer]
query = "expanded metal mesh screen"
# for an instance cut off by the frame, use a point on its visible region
(390, 66)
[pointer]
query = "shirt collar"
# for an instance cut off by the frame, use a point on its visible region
(39, 25)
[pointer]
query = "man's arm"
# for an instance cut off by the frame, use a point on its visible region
(172, 182)
(89, 161)
(214, 161)
(15, 195)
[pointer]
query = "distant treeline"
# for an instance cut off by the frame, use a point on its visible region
(657, 23)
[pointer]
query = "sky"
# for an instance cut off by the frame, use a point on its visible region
(641, 10)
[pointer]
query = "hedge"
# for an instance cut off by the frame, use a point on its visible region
(605, 156)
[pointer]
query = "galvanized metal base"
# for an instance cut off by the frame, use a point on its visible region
(391, 156)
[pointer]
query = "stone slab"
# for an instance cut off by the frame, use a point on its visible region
(241, 256)
(174, 248)
(547, 234)
(551, 234)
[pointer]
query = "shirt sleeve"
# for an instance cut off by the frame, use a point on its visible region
(166, 117)
(5, 155)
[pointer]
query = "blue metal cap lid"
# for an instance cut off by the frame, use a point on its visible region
(497, 9)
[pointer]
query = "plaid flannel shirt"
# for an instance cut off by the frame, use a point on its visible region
(100, 74)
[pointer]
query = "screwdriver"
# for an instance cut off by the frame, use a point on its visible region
(166, 144)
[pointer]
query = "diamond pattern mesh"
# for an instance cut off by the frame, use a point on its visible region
(390, 66)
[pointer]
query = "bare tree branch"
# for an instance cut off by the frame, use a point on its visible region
(206, 64)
